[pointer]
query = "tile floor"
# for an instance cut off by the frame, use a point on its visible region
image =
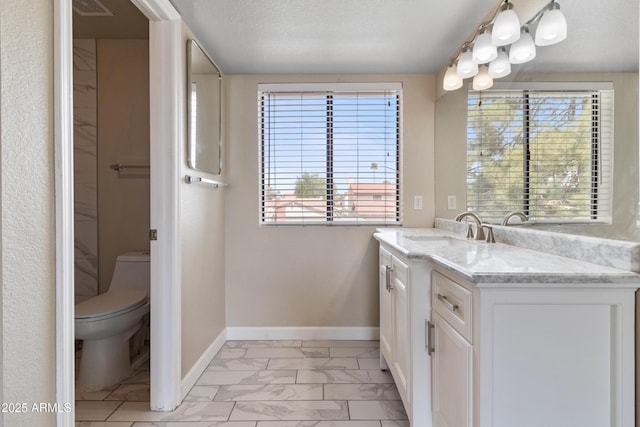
(264, 384)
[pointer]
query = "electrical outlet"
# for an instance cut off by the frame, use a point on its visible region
(417, 203)
(451, 202)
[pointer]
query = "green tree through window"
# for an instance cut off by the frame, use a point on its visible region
(538, 152)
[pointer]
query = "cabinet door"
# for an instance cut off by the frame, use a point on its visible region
(386, 325)
(401, 328)
(452, 387)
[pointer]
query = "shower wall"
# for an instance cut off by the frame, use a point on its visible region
(85, 150)
(111, 125)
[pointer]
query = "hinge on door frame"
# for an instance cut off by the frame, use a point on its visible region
(153, 234)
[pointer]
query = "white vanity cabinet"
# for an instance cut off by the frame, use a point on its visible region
(403, 314)
(544, 341)
(526, 355)
(451, 352)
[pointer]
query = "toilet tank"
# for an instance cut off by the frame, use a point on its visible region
(131, 272)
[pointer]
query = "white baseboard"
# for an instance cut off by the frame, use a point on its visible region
(303, 333)
(198, 368)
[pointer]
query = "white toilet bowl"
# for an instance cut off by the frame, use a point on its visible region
(106, 323)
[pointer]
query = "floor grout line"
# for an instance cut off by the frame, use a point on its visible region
(283, 398)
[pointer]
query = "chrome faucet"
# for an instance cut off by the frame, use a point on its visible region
(479, 233)
(510, 215)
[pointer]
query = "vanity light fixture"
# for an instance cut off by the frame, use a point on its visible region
(506, 27)
(500, 67)
(524, 49)
(502, 30)
(452, 80)
(482, 80)
(552, 27)
(466, 66)
(483, 49)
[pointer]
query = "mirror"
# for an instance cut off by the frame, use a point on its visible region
(607, 55)
(204, 112)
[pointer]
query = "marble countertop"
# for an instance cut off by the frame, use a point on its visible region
(498, 264)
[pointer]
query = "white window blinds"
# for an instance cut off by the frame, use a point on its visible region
(545, 153)
(329, 156)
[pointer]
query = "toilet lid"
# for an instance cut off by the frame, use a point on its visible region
(109, 303)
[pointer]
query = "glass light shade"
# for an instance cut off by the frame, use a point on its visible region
(523, 50)
(506, 28)
(482, 80)
(466, 66)
(452, 80)
(500, 67)
(483, 50)
(552, 27)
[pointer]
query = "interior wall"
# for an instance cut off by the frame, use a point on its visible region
(202, 229)
(27, 211)
(85, 169)
(451, 147)
(123, 137)
(313, 275)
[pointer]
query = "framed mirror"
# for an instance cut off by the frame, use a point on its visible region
(204, 112)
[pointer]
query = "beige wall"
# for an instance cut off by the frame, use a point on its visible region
(202, 227)
(451, 146)
(27, 212)
(312, 275)
(123, 137)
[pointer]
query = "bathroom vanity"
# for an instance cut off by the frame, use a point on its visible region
(493, 335)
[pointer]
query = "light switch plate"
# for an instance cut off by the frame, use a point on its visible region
(417, 203)
(451, 202)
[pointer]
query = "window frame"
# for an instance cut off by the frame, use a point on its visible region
(598, 138)
(329, 89)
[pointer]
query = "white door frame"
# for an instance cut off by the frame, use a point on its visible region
(166, 135)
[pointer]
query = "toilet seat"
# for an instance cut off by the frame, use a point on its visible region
(109, 304)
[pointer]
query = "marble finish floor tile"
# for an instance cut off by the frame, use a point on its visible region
(238, 365)
(377, 410)
(196, 424)
(344, 376)
(188, 411)
(340, 343)
(361, 392)
(362, 352)
(201, 393)
(314, 363)
(367, 363)
(103, 424)
(88, 410)
(319, 424)
(287, 352)
(286, 383)
(131, 393)
(317, 410)
(263, 344)
(231, 353)
(282, 376)
(270, 392)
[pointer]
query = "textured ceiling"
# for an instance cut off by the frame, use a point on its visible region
(394, 36)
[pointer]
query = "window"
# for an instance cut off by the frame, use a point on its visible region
(547, 153)
(329, 154)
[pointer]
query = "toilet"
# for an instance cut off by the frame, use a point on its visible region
(107, 322)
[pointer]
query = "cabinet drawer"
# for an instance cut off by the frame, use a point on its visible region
(452, 302)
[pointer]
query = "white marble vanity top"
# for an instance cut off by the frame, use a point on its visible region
(498, 264)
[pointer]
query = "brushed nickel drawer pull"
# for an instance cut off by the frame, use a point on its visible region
(429, 329)
(451, 306)
(388, 277)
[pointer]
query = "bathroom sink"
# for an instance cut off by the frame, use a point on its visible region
(432, 240)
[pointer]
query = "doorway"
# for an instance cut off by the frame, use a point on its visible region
(165, 64)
